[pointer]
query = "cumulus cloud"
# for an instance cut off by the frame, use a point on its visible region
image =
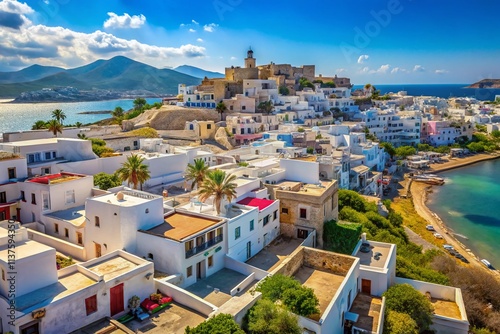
(200, 40)
(13, 14)
(233, 58)
(192, 30)
(11, 20)
(362, 58)
(440, 71)
(418, 68)
(124, 21)
(210, 27)
(194, 22)
(383, 68)
(398, 70)
(13, 6)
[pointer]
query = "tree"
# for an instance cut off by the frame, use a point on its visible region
(105, 181)
(495, 134)
(297, 298)
(134, 171)
(220, 324)
(59, 115)
(78, 124)
(139, 103)
(54, 126)
(266, 107)
(310, 150)
(118, 112)
(283, 90)
(82, 136)
(389, 148)
(399, 323)
(303, 83)
(405, 151)
(196, 172)
(99, 147)
(265, 317)
(403, 298)
(39, 125)
(219, 185)
(221, 108)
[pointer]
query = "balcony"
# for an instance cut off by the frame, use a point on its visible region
(200, 248)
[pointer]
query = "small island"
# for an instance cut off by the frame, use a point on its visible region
(486, 83)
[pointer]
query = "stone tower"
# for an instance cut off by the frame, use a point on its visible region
(250, 60)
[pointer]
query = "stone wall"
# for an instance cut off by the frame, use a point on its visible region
(337, 264)
(291, 264)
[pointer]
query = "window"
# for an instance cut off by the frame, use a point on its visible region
(266, 220)
(189, 245)
(70, 196)
(46, 201)
(303, 213)
(242, 131)
(237, 233)
(251, 225)
(189, 271)
(136, 143)
(284, 211)
(219, 231)
(12, 173)
(33, 199)
(79, 238)
(91, 304)
(56, 228)
(243, 108)
(66, 233)
(209, 126)
(22, 196)
(150, 256)
(3, 275)
(47, 155)
(210, 261)
(97, 221)
(3, 197)
(275, 214)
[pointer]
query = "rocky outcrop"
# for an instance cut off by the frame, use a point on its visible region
(486, 83)
(173, 117)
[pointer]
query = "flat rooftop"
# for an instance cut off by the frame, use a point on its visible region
(275, 253)
(130, 198)
(325, 284)
(41, 141)
(446, 308)
(304, 188)
(64, 287)
(241, 181)
(367, 255)
(24, 249)
(368, 309)
(56, 178)
(179, 226)
(260, 203)
(75, 216)
(112, 267)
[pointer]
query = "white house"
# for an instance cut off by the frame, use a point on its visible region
(12, 169)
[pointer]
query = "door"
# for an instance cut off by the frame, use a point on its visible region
(366, 286)
(200, 270)
(249, 250)
(265, 240)
(116, 299)
(97, 250)
(32, 328)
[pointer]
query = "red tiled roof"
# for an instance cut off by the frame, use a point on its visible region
(45, 179)
(256, 202)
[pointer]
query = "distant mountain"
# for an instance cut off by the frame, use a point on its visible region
(486, 83)
(33, 72)
(119, 75)
(198, 72)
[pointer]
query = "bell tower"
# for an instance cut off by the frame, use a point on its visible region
(250, 60)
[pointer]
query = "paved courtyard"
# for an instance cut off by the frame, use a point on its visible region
(275, 253)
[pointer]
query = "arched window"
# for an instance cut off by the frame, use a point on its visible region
(150, 256)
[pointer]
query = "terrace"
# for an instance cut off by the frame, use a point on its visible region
(56, 178)
(368, 309)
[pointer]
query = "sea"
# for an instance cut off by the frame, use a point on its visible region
(22, 116)
(439, 90)
(468, 203)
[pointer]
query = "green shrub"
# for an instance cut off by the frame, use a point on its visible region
(220, 324)
(341, 237)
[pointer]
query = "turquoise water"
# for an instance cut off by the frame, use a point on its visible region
(21, 116)
(469, 203)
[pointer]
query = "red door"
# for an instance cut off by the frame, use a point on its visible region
(116, 299)
(366, 286)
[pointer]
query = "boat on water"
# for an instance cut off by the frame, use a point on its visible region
(487, 263)
(429, 179)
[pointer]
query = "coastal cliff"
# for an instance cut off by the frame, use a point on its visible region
(486, 83)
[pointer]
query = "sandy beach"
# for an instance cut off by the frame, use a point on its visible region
(419, 193)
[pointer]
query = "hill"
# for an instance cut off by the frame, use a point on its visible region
(486, 83)
(120, 75)
(198, 72)
(33, 72)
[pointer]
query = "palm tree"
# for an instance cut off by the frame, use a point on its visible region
(118, 112)
(39, 125)
(59, 116)
(196, 172)
(78, 124)
(54, 126)
(220, 185)
(266, 107)
(134, 171)
(221, 108)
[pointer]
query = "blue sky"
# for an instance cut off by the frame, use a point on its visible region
(381, 42)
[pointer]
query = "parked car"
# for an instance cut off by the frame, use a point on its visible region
(430, 228)
(446, 246)
(438, 236)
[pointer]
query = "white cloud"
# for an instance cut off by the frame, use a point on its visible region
(200, 40)
(365, 69)
(340, 70)
(383, 68)
(418, 68)
(210, 27)
(13, 6)
(362, 58)
(441, 71)
(182, 25)
(124, 21)
(398, 70)
(233, 58)
(192, 30)
(194, 22)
